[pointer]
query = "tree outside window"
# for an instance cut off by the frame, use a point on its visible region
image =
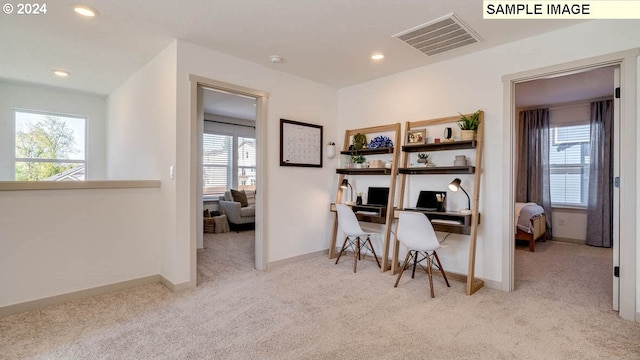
(49, 147)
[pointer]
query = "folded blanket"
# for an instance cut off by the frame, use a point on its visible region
(529, 211)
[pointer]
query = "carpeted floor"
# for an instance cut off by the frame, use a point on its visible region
(316, 310)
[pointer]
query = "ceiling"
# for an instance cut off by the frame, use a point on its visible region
(586, 85)
(327, 41)
(229, 105)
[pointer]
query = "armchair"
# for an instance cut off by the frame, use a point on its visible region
(236, 214)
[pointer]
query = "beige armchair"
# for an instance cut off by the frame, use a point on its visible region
(236, 214)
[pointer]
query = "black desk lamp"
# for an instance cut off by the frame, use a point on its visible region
(455, 185)
(345, 184)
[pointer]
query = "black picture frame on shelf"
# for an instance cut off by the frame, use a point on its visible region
(300, 144)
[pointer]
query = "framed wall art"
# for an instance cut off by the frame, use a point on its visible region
(300, 144)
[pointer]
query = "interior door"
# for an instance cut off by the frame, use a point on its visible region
(616, 192)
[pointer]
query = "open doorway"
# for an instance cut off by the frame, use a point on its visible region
(247, 156)
(554, 122)
(229, 180)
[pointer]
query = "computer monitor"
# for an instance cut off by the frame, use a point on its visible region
(378, 196)
(432, 200)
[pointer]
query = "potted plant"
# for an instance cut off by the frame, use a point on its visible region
(423, 158)
(359, 141)
(358, 160)
(469, 125)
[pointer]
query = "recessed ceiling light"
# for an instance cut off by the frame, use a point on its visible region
(276, 59)
(60, 73)
(377, 56)
(85, 10)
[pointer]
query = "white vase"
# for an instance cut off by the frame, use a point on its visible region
(331, 151)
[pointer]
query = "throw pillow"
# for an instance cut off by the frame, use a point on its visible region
(240, 197)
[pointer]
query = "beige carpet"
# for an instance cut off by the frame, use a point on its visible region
(317, 310)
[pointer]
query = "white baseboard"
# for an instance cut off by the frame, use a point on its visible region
(293, 259)
(175, 287)
(492, 284)
(76, 295)
(569, 240)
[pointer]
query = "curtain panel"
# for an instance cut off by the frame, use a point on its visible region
(533, 174)
(599, 208)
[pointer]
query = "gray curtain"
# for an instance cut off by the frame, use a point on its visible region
(532, 179)
(599, 209)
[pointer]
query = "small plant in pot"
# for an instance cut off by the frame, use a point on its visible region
(358, 160)
(469, 125)
(359, 141)
(423, 158)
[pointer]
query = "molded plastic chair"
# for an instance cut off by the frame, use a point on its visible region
(416, 233)
(355, 237)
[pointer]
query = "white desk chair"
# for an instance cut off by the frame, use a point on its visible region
(354, 235)
(416, 233)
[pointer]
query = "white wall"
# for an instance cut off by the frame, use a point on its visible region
(14, 95)
(569, 224)
(474, 82)
(297, 218)
(54, 242)
(141, 142)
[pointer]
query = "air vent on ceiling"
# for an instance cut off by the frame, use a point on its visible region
(440, 35)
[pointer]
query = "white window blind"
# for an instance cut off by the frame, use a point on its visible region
(216, 163)
(569, 164)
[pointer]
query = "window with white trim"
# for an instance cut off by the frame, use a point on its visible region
(49, 147)
(225, 155)
(569, 152)
(246, 163)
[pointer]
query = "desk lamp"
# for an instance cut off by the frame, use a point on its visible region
(454, 186)
(345, 184)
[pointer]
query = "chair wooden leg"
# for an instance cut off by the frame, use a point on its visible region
(356, 254)
(404, 266)
(430, 276)
(415, 263)
(444, 275)
(344, 244)
(373, 251)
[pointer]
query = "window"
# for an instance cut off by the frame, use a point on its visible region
(220, 162)
(216, 163)
(246, 163)
(569, 164)
(49, 147)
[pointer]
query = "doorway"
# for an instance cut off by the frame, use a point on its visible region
(231, 93)
(577, 268)
(228, 167)
(625, 211)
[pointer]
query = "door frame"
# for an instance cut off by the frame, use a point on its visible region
(197, 126)
(628, 64)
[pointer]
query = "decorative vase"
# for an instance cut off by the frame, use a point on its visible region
(423, 161)
(467, 134)
(331, 151)
(460, 160)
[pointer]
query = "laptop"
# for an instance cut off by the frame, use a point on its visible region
(378, 196)
(431, 201)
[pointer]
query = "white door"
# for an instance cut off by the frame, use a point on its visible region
(615, 224)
